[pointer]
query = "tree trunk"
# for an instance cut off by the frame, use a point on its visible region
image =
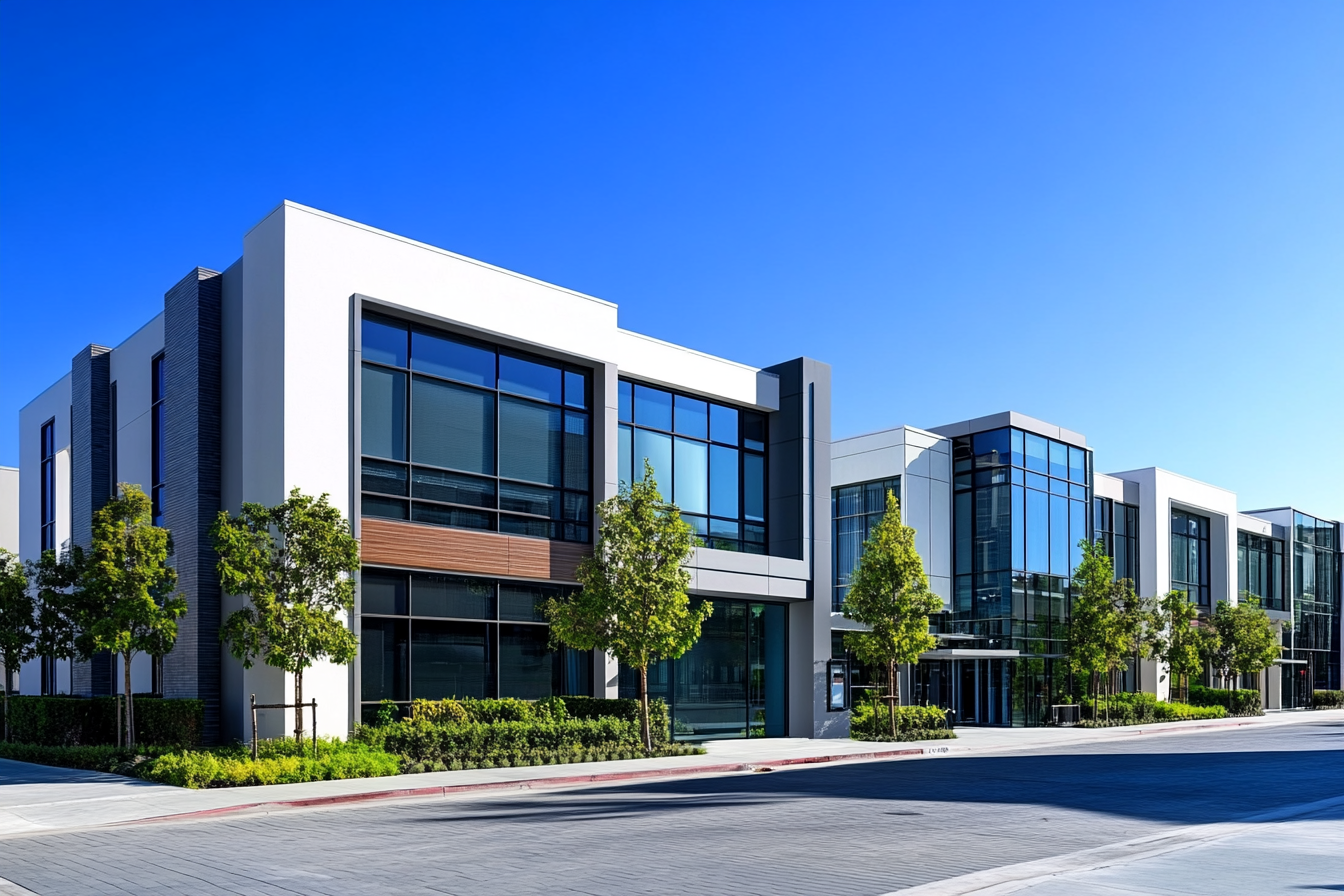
(126, 677)
(644, 709)
(895, 695)
(298, 707)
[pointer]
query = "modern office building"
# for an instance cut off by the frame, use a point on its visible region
(466, 419)
(1000, 505)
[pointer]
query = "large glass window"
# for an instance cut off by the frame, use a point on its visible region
(1316, 599)
(157, 459)
(1260, 568)
(460, 433)
(855, 510)
(1117, 527)
(708, 459)
(49, 485)
(1190, 556)
(434, 636)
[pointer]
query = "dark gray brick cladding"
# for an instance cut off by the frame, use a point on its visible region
(90, 475)
(191, 336)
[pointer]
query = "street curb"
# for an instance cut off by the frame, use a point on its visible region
(531, 783)
(944, 749)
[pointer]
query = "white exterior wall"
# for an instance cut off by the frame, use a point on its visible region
(9, 509)
(130, 368)
(294, 326)
(923, 460)
(54, 402)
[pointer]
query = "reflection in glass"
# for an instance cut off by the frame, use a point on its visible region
(383, 341)
(529, 441)
(1038, 449)
(451, 659)
(383, 413)
(383, 652)
(624, 454)
(753, 486)
(526, 664)
(382, 593)
(691, 486)
(454, 426)
(455, 488)
(723, 424)
(657, 449)
(532, 379)
(723, 481)
(1038, 531)
(653, 407)
(453, 359)
(692, 417)
(387, 479)
(456, 597)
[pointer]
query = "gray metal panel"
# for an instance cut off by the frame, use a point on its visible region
(191, 337)
(90, 480)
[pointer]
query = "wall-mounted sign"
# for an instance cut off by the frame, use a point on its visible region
(837, 674)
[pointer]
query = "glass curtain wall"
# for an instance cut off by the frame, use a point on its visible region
(855, 510)
(464, 434)
(1316, 607)
(731, 683)
(428, 637)
(1116, 526)
(1190, 556)
(709, 459)
(1260, 568)
(1021, 505)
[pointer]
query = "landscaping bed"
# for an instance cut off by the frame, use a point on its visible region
(871, 722)
(1142, 709)
(440, 736)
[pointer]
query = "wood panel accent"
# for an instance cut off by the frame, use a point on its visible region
(397, 543)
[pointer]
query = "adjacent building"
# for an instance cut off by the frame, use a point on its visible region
(1000, 504)
(467, 419)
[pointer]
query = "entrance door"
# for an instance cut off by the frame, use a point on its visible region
(968, 692)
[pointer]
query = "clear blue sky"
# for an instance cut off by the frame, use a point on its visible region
(1127, 219)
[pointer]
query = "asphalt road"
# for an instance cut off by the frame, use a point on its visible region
(867, 828)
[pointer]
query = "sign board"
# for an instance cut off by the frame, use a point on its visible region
(837, 675)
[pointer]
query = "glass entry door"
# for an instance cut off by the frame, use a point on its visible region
(983, 692)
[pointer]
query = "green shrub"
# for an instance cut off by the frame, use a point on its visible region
(1240, 702)
(86, 758)
(1327, 700)
(278, 762)
(627, 708)
(72, 721)
(869, 721)
(1142, 709)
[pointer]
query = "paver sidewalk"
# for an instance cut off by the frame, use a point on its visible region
(37, 799)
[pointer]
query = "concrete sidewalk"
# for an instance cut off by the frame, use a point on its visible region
(40, 799)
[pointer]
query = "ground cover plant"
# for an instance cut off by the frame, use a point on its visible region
(438, 736)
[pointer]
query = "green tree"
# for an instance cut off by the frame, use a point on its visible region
(294, 563)
(1181, 641)
(889, 593)
(633, 604)
(53, 576)
(1094, 630)
(1139, 623)
(18, 622)
(1246, 641)
(122, 598)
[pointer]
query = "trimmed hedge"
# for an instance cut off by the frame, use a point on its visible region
(278, 762)
(83, 721)
(1142, 709)
(1327, 700)
(869, 722)
(1240, 702)
(118, 760)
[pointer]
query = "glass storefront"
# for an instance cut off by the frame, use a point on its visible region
(731, 683)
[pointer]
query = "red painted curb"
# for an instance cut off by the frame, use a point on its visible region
(528, 784)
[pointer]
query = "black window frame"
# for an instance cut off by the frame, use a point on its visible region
(570, 521)
(1202, 588)
(158, 409)
(1268, 549)
(840, 580)
(47, 471)
(744, 450)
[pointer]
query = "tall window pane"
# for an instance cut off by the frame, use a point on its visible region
(691, 486)
(1019, 559)
(656, 448)
(1077, 464)
(1038, 449)
(576, 451)
(382, 428)
(526, 665)
(1059, 535)
(964, 539)
(384, 656)
(1077, 532)
(529, 441)
(453, 359)
(457, 597)
(753, 486)
(723, 424)
(1038, 531)
(452, 426)
(723, 480)
(624, 454)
